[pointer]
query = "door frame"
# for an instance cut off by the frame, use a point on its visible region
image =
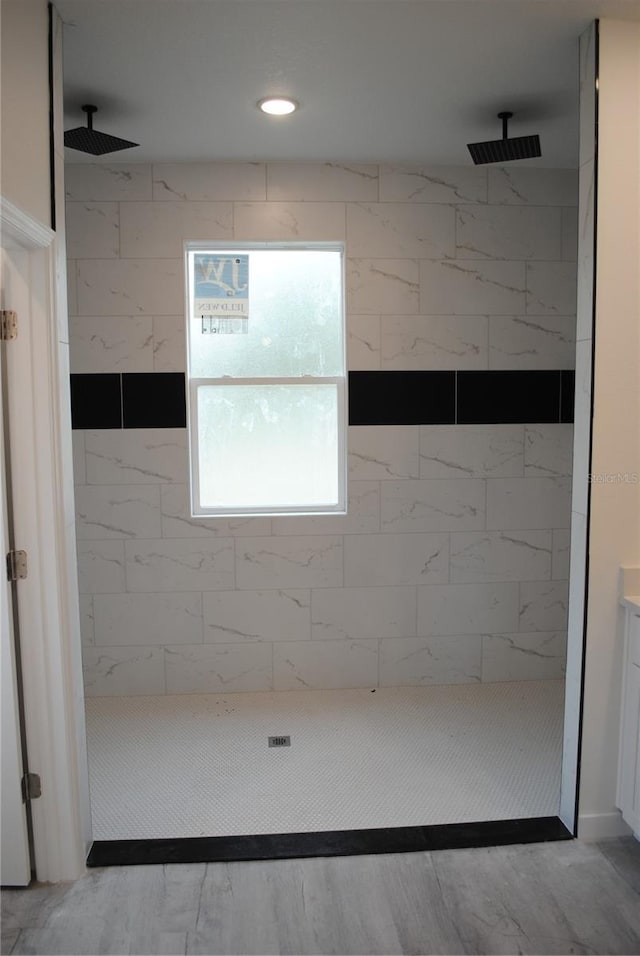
(43, 502)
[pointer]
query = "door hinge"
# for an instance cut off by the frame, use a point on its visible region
(31, 787)
(8, 325)
(16, 565)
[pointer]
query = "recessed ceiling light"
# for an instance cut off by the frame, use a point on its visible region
(278, 105)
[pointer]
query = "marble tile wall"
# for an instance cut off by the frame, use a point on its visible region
(452, 563)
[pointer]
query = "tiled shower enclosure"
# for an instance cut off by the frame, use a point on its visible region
(451, 565)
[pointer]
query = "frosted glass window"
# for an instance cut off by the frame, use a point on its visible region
(266, 371)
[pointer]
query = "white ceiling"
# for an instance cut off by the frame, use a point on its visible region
(378, 80)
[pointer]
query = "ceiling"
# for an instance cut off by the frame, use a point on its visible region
(388, 81)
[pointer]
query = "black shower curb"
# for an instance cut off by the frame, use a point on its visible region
(283, 846)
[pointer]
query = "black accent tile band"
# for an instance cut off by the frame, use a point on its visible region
(508, 397)
(129, 400)
(157, 399)
(402, 398)
(153, 400)
(281, 846)
(96, 401)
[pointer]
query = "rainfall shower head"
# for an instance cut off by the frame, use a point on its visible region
(505, 149)
(89, 140)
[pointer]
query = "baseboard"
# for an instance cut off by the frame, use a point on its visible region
(600, 826)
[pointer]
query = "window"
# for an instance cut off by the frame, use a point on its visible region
(266, 371)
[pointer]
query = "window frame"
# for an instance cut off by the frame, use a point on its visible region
(193, 384)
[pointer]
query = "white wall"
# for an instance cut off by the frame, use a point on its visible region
(614, 538)
(452, 563)
(24, 77)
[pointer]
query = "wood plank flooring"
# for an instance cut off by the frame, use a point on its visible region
(564, 897)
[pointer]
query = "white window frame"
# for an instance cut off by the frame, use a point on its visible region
(340, 382)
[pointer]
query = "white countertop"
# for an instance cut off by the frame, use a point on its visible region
(632, 601)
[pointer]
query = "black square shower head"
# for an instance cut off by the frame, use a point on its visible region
(505, 149)
(90, 140)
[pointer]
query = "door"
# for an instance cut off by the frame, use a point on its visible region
(15, 867)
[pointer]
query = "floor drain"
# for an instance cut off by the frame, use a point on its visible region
(279, 741)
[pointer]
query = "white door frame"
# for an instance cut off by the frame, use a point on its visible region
(15, 862)
(39, 421)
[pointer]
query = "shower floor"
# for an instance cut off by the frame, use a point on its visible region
(200, 765)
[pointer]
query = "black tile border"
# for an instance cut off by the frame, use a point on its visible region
(158, 399)
(402, 398)
(96, 401)
(507, 397)
(284, 846)
(153, 400)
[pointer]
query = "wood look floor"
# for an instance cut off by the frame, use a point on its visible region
(565, 897)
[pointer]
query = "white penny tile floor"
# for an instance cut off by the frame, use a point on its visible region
(200, 765)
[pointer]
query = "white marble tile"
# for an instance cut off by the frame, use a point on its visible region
(467, 287)
(318, 182)
(111, 343)
(117, 511)
(429, 184)
(179, 565)
(177, 521)
(508, 232)
(123, 671)
(219, 668)
(570, 233)
(551, 288)
(386, 451)
(169, 344)
(467, 608)
(308, 561)
(100, 566)
(561, 553)
(532, 341)
(383, 286)
(523, 656)
(93, 182)
(433, 504)
(130, 286)
(72, 287)
(363, 343)
(401, 230)
(548, 449)
(434, 342)
(79, 467)
(362, 517)
(471, 451)
(238, 616)
(136, 455)
(92, 230)
(363, 613)
(141, 619)
(500, 556)
(305, 221)
(528, 503)
(379, 560)
(537, 187)
(430, 660)
(208, 182)
(152, 230)
(543, 606)
(87, 631)
(316, 665)
(586, 251)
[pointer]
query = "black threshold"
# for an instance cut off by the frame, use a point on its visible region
(282, 846)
